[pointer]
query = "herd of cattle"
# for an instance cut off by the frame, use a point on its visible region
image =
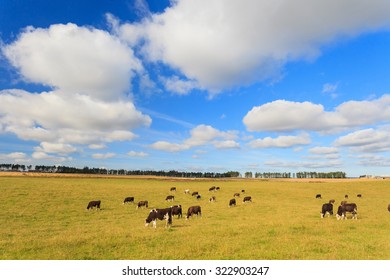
(176, 210)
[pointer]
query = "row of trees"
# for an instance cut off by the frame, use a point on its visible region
(171, 173)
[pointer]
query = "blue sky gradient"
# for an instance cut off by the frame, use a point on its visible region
(281, 86)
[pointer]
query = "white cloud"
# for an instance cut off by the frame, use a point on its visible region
(281, 141)
(200, 135)
(16, 156)
(56, 148)
(329, 88)
(305, 164)
(103, 156)
(39, 155)
(137, 154)
(223, 43)
(281, 115)
(323, 150)
(367, 140)
(176, 85)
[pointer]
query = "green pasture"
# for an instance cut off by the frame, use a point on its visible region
(46, 218)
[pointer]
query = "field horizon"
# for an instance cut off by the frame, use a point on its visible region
(46, 218)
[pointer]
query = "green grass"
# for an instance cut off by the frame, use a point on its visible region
(46, 218)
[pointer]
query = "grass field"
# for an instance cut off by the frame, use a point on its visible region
(46, 218)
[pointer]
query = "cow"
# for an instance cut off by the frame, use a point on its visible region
(170, 198)
(176, 210)
(159, 214)
(198, 196)
(236, 195)
(212, 199)
(332, 201)
(212, 189)
(186, 191)
(346, 196)
(129, 199)
(232, 202)
(94, 203)
(344, 208)
(326, 208)
(318, 195)
(143, 203)
(173, 189)
(192, 210)
(388, 207)
(359, 195)
(247, 199)
(217, 188)
(243, 191)
(194, 193)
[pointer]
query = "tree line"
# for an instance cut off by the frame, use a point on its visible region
(171, 173)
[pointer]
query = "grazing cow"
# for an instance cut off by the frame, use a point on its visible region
(198, 197)
(346, 196)
(332, 201)
(173, 189)
(176, 210)
(94, 203)
(359, 195)
(318, 195)
(247, 199)
(159, 214)
(212, 189)
(187, 191)
(170, 198)
(232, 202)
(217, 188)
(344, 208)
(236, 195)
(194, 210)
(194, 193)
(212, 199)
(326, 208)
(129, 199)
(143, 204)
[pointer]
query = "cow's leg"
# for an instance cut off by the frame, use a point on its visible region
(154, 223)
(322, 215)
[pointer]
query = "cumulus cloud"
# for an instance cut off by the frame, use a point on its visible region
(323, 150)
(103, 156)
(223, 43)
(282, 115)
(16, 156)
(201, 135)
(176, 85)
(281, 141)
(89, 72)
(137, 154)
(367, 140)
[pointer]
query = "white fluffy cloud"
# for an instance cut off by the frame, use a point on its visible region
(281, 115)
(74, 59)
(201, 135)
(281, 141)
(222, 43)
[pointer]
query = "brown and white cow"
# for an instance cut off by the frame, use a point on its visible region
(143, 203)
(177, 211)
(212, 189)
(236, 195)
(344, 208)
(159, 214)
(170, 198)
(212, 199)
(194, 210)
(173, 189)
(247, 199)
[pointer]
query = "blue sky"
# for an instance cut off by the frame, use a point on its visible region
(261, 86)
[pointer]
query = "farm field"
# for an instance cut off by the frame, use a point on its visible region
(45, 218)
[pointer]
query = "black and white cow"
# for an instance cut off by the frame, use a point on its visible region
(173, 189)
(198, 196)
(186, 191)
(143, 203)
(232, 202)
(194, 210)
(326, 208)
(318, 195)
(217, 188)
(212, 199)
(177, 211)
(247, 199)
(194, 193)
(344, 208)
(129, 199)
(94, 203)
(170, 198)
(159, 214)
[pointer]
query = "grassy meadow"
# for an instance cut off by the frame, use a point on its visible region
(46, 218)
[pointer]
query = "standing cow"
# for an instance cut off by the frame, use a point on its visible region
(232, 202)
(129, 199)
(94, 203)
(327, 208)
(173, 189)
(247, 199)
(177, 211)
(143, 204)
(194, 210)
(170, 198)
(159, 214)
(344, 208)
